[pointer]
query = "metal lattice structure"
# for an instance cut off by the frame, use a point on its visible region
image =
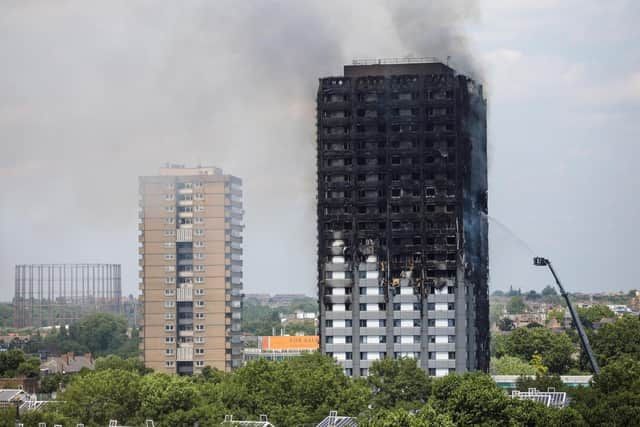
(59, 294)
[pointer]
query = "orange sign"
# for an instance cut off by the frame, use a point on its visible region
(310, 343)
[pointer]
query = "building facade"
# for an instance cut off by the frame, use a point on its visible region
(402, 225)
(190, 243)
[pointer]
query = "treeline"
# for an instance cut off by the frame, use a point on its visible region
(262, 320)
(100, 334)
(525, 348)
(293, 392)
(303, 390)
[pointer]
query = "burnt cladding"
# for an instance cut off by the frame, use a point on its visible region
(402, 229)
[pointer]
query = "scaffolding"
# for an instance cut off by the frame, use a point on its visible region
(60, 294)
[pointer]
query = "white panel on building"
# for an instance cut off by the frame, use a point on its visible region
(339, 307)
(442, 339)
(373, 355)
(442, 372)
(442, 306)
(372, 274)
(442, 323)
(339, 324)
(339, 356)
(406, 290)
(406, 323)
(337, 260)
(406, 306)
(337, 275)
(406, 339)
(337, 339)
(442, 355)
(372, 307)
(339, 291)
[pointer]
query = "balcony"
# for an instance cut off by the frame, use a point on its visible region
(184, 354)
(184, 235)
(185, 294)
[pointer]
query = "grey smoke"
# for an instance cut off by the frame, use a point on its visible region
(94, 94)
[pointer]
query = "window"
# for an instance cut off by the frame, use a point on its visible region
(198, 244)
(199, 303)
(169, 220)
(169, 327)
(199, 363)
(169, 257)
(169, 364)
(198, 232)
(199, 291)
(169, 232)
(169, 340)
(169, 304)
(168, 352)
(169, 292)
(198, 255)
(328, 323)
(168, 316)
(198, 220)
(199, 340)
(199, 327)
(199, 315)
(169, 268)
(199, 351)
(198, 267)
(169, 280)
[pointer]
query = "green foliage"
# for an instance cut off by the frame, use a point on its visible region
(509, 365)
(398, 382)
(549, 291)
(6, 314)
(30, 368)
(614, 398)
(259, 319)
(100, 396)
(516, 305)
(14, 363)
(307, 327)
(50, 383)
(133, 364)
(101, 334)
(615, 339)
(590, 315)
(557, 314)
(556, 349)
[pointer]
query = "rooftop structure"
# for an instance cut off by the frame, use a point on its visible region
(552, 398)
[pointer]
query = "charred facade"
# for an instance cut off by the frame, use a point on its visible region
(60, 294)
(402, 226)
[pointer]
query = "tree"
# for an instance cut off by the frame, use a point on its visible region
(100, 396)
(549, 291)
(614, 398)
(516, 305)
(50, 383)
(101, 333)
(556, 349)
(615, 339)
(112, 361)
(30, 368)
(10, 361)
(509, 365)
(398, 382)
(590, 315)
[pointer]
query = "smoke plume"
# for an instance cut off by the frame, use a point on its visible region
(95, 94)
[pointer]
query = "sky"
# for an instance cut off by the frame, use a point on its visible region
(94, 94)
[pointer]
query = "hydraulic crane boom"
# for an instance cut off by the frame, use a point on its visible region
(539, 261)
